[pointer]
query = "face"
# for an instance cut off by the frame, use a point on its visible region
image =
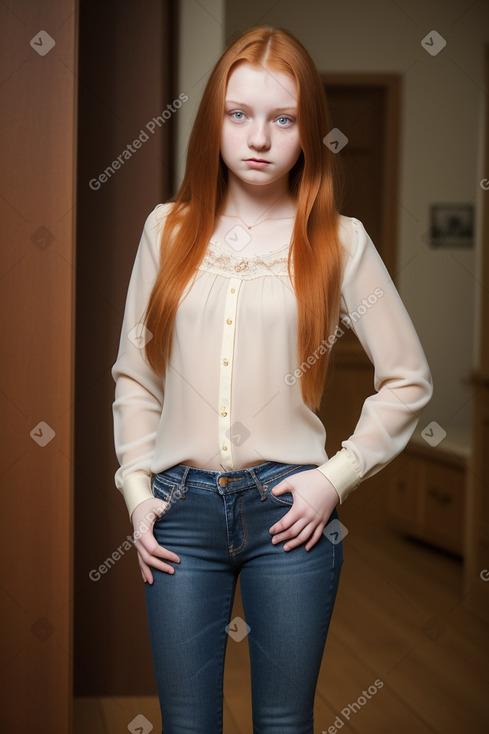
(260, 136)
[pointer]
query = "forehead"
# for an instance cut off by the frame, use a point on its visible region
(247, 82)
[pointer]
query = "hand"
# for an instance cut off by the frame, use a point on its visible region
(149, 551)
(314, 500)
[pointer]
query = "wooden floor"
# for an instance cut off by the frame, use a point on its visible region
(399, 618)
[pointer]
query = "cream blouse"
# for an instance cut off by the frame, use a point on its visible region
(230, 397)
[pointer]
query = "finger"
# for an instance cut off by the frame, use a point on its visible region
(291, 531)
(314, 538)
(148, 543)
(154, 560)
(304, 535)
(145, 571)
(162, 566)
(147, 578)
(156, 563)
(281, 487)
(162, 552)
(285, 522)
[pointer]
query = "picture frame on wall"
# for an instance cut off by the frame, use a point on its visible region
(451, 225)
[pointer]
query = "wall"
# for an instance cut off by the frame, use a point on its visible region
(38, 132)
(201, 42)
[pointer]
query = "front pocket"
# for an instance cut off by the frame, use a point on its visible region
(167, 492)
(287, 498)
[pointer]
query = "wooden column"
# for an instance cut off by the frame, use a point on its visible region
(38, 137)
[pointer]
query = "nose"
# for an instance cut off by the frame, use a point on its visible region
(259, 137)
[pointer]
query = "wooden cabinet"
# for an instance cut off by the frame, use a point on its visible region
(403, 493)
(476, 585)
(426, 493)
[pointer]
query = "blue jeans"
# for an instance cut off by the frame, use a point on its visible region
(218, 523)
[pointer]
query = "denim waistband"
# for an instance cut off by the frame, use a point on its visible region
(227, 481)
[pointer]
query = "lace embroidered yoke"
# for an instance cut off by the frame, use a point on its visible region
(223, 261)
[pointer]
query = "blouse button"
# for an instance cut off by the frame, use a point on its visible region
(225, 362)
(229, 321)
(224, 447)
(233, 290)
(223, 412)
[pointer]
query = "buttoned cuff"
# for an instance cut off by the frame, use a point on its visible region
(136, 488)
(341, 473)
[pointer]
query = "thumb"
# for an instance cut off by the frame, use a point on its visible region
(281, 487)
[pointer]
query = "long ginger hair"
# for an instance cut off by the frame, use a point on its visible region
(315, 248)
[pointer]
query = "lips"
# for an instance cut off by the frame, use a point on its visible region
(257, 163)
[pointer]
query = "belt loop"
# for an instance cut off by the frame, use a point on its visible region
(182, 487)
(258, 484)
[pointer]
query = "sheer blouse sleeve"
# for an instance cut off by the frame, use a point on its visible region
(139, 392)
(372, 307)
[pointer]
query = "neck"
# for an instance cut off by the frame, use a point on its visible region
(253, 203)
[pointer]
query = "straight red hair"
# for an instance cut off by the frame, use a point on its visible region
(315, 248)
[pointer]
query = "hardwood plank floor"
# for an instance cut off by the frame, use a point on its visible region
(399, 619)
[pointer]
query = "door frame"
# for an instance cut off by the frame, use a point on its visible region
(392, 87)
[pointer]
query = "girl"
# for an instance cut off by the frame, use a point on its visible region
(233, 305)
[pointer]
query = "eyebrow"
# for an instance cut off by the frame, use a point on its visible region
(278, 109)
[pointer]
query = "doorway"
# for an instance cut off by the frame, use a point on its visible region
(127, 62)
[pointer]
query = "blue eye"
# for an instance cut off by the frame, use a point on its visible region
(283, 120)
(237, 113)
